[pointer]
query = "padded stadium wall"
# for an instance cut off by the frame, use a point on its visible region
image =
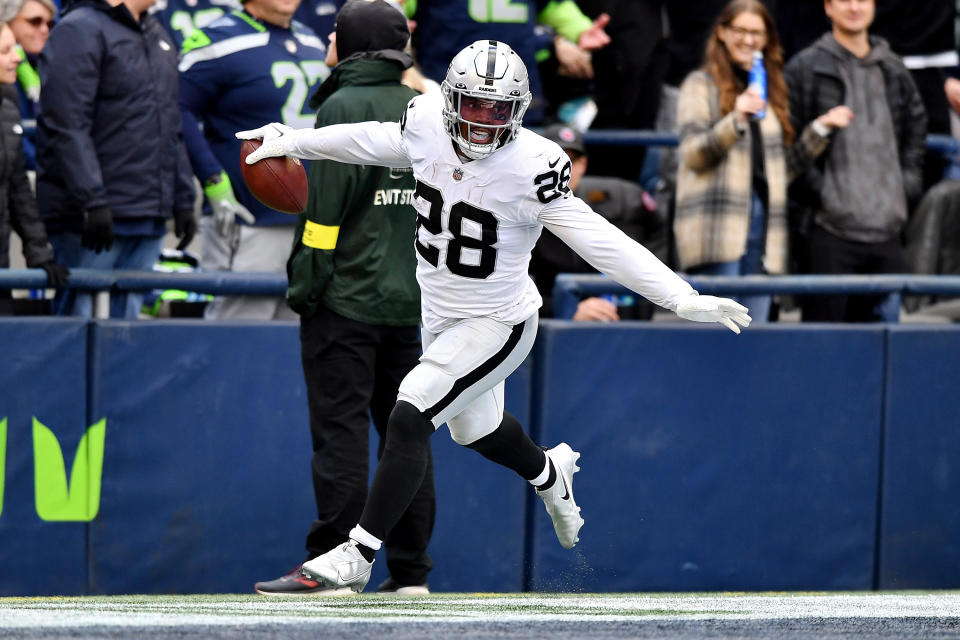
(173, 457)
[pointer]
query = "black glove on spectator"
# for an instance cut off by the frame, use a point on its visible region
(184, 227)
(57, 274)
(97, 229)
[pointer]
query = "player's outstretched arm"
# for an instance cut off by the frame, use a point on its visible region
(610, 251)
(730, 314)
(376, 143)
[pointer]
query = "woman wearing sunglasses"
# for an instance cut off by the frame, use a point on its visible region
(18, 207)
(31, 28)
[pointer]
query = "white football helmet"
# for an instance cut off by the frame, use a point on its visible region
(486, 76)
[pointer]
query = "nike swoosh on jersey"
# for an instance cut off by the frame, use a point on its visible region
(554, 163)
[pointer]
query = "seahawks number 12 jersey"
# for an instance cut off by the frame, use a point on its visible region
(477, 222)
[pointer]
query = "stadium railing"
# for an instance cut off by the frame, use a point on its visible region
(943, 144)
(568, 289)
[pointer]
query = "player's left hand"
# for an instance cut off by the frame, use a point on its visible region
(712, 309)
(272, 136)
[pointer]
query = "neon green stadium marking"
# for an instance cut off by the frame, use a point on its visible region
(55, 500)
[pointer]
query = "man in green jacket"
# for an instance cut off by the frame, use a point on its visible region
(352, 280)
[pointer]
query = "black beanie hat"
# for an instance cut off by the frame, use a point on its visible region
(363, 26)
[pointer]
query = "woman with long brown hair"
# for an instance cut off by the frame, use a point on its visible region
(738, 153)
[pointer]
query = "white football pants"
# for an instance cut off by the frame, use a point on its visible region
(461, 374)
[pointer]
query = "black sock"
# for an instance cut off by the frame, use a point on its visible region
(508, 445)
(550, 479)
(400, 471)
(366, 552)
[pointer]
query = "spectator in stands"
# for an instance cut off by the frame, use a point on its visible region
(111, 165)
(734, 165)
(922, 33)
(443, 28)
(628, 74)
(857, 194)
(31, 28)
(623, 203)
(245, 68)
(18, 207)
(352, 280)
(932, 243)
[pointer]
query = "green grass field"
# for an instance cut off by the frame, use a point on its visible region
(479, 615)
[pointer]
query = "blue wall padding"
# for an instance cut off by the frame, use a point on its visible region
(44, 376)
(920, 513)
(207, 484)
(206, 475)
(711, 460)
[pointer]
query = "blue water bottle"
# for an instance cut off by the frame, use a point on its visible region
(758, 81)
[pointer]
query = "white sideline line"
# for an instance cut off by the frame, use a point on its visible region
(54, 613)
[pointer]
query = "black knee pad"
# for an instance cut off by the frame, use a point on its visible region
(407, 424)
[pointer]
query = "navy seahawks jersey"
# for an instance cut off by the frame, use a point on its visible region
(182, 17)
(237, 73)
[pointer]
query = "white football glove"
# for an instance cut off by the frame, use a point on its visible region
(712, 309)
(272, 136)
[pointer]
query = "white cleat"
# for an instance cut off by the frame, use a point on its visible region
(558, 499)
(342, 566)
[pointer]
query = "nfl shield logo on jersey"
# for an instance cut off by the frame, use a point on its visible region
(457, 174)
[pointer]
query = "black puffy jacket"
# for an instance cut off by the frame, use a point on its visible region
(109, 131)
(18, 208)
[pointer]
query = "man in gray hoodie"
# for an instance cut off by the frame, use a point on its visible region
(857, 196)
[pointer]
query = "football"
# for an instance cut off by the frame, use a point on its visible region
(280, 183)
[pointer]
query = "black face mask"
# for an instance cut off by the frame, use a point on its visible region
(370, 26)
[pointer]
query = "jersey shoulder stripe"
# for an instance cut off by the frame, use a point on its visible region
(221, 49)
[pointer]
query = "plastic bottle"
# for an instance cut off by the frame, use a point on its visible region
(758, 81)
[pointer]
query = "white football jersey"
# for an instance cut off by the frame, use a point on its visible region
(479, 220)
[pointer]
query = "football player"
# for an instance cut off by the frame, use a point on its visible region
(485, 188)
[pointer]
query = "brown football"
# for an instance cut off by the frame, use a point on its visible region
(280, 183)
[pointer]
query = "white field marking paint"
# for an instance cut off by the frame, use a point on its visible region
(166, 611)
